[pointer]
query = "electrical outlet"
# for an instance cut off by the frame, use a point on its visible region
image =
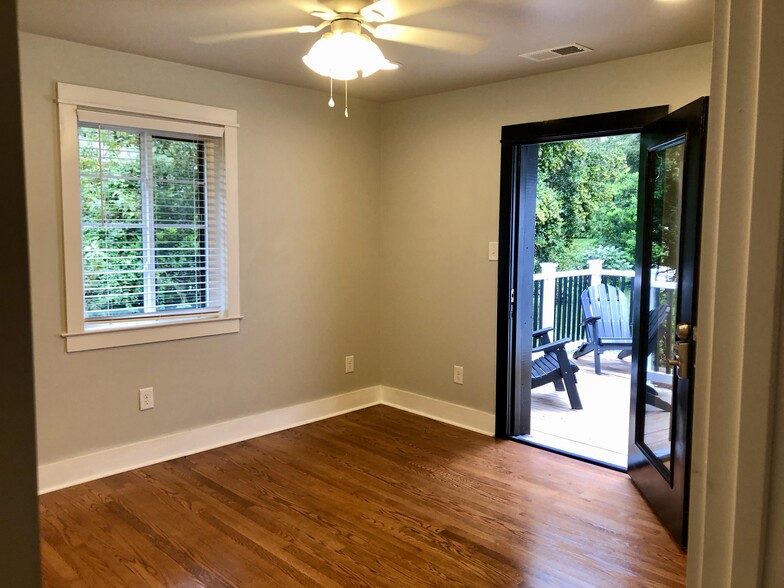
(349, 364)
(492, 251)
(146, 399)
(458, 374)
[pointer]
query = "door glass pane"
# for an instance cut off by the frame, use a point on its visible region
(661, 380)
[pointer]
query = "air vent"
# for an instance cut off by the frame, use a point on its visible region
(556, 52)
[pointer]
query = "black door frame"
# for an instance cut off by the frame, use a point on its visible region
(519, 151)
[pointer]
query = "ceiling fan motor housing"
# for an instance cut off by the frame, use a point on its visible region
(346, 24)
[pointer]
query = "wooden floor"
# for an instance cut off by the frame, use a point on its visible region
(377, 497)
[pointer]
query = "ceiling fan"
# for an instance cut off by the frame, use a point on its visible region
(345, 50)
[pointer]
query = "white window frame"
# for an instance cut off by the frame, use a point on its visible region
(154, 113)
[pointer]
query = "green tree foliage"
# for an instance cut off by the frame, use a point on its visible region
(111, 220)
(666, 206)
(549, 236)
(577, 256)
(586, 201)
(178, 200)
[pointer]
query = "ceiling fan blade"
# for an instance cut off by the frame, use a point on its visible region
(384, 10)
(431, 38)
(242, 35)
(313, 8)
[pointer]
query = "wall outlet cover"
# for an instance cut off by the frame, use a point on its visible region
(492, 251)
(146, 399)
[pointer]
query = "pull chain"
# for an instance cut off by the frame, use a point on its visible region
(346, 111)
(331, 101)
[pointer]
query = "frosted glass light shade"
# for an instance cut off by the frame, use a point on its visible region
(342, 55)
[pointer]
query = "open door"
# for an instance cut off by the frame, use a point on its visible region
(517, 217)
(665, 311)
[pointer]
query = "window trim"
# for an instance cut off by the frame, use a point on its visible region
(81, 335)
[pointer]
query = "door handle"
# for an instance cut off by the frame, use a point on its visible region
(683, 331)
(680, 361)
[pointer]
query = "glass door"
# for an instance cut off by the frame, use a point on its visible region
(665, 313)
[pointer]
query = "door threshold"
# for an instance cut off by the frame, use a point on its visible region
(574, 449)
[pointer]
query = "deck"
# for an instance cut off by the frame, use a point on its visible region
(601, 430)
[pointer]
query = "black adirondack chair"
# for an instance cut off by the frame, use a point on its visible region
(554, 366)
(607, 328)
(656, 320)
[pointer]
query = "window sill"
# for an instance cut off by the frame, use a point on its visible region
(135, 334)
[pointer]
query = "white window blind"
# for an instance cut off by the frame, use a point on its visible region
(151, 219)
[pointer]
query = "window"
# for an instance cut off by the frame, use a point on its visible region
(150, 217)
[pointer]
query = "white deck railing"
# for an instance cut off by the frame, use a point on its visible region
(549, 275)
(595, 269)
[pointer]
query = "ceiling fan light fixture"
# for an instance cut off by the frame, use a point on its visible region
(343, 54)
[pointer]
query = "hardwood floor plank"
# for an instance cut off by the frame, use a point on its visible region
(328, 507)
(236, 518)
(378, 497)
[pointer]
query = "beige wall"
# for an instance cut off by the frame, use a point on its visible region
(309, 259)
(440, 174)
(316, 192)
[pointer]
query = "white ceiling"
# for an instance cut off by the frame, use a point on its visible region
(163, 28)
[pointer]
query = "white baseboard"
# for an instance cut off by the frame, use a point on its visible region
(439, 410)
(83, 468)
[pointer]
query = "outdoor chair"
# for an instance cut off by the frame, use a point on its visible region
(606, 312)
(554, 366)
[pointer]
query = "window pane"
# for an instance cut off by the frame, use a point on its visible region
(178, 248)
(109, 152)
(180, 263)
(179, 289)
(110, 164)
(181, 267)
(178, 200)
(111, 201)
(92, 200)
(120, 155)
(89, 153)
(113, 271)
(178, 203)
(176, 159)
